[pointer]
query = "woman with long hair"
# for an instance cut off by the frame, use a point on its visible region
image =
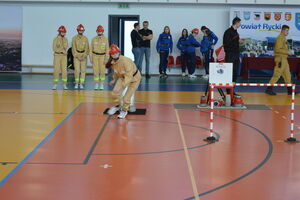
(164, 47)
(182, 46)
(208, 43)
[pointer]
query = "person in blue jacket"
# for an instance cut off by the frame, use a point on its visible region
(164, 46)
(208, 43)
(182, 46)
(192, 43)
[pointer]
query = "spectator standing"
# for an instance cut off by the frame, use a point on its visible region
(147, 36)
(192, 43)
(182, 46)
(164, 47)
(136, 40)
(208, 43)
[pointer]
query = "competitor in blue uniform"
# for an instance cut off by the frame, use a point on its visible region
(208, 43)
(164, 46)
(182, 46)
(192, 43)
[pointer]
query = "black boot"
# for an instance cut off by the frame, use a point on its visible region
(269, 91)
(289, 91)
(228, 91)
(147, 76)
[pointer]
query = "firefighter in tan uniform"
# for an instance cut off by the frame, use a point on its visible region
(126, 75)
(60, 47)
(282, 68)
(99, 55)
(80, 50)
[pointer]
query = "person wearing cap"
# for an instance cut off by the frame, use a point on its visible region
(164, 47)
(60, 46)
(80, 50)
(126, 75)
(208, 43)
(182, 46)
(99, 55)
(192, 43)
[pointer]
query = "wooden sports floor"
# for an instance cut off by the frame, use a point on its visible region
(57, 145)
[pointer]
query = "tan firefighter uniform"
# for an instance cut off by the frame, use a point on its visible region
(282, 68)
(80, 48)
(60, 47)
(126, 74)
(98, 54)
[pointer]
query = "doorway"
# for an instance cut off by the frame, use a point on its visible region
(120, 27)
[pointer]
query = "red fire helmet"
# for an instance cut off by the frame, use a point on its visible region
(100, 29)
(62, 29)
(114, 49)
(80, 27)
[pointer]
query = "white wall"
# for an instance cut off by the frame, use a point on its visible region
(41, 20)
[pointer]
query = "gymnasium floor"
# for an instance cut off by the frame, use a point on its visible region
(58, 144)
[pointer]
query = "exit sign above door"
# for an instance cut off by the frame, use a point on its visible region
(123, 5)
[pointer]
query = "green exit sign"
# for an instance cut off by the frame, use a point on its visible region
(123, 5)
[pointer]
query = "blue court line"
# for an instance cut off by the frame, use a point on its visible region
(37, 147)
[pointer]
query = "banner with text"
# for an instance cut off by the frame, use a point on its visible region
(260, 27)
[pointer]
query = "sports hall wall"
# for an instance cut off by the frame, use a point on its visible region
(41, 20)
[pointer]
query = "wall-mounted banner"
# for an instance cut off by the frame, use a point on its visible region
(10, 38)
(260, 27)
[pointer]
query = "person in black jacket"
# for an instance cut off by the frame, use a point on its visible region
(147, 36)
(231, 43)
(136, 39)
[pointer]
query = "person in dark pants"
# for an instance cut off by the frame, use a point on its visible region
(147, 35)
(208, 43)
(182, 46)
(205, 50)
(192, 43)
(231, 43)
(164, 46)
(136, 40)
(70, 59)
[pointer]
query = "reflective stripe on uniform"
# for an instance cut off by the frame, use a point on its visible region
(126, 107)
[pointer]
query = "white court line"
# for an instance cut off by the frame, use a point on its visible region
(187, 157)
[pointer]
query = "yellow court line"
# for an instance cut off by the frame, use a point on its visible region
(188, 160)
